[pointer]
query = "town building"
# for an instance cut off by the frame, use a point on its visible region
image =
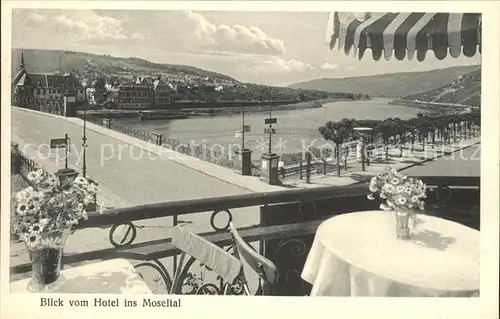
(137, 94)
(162, 91)
(142, 93)
(45, 85)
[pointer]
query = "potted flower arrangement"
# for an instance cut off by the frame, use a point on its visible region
(402, 195)
(45, 214)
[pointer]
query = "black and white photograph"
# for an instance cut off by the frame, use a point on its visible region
(161, 152)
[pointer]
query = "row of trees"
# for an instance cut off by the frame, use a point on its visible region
(401, 132)
(254, 93)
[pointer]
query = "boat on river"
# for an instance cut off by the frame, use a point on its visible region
(161, 115)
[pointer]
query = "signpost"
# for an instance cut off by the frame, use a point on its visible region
(58, 143)
(61, 143)
(271, 120)
(270, 130)
(269, 161)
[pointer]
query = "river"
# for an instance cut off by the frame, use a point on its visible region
(294, 129)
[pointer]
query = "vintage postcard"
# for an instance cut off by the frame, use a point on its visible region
(161, 152)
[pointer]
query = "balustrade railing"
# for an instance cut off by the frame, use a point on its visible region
(20, 163)
(45, 105)
(198, 151)
(288, 221)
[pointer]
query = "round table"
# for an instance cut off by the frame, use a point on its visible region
(358, 254)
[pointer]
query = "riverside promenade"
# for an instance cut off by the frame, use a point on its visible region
(460, 158)
(134, 172)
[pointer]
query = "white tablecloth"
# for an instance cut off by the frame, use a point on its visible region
(115, 276)
(358, 254)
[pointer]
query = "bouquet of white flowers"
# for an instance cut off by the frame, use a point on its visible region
(400, 192)
(45, 212)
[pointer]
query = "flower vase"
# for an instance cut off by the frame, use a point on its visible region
(402, 225)
(46, 262)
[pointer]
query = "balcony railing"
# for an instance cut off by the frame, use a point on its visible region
(288, 222)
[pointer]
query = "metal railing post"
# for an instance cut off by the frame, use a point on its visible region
(300, 169)
(308, 167)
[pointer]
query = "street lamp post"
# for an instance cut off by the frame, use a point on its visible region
(84, 138)
(270, 127)
(242, 127)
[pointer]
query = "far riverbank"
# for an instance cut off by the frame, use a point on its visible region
(431, 106)
(195, 112)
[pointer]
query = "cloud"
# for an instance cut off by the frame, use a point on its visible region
(237, 38)
(138, 36)
(79, 26)
(188, 31)
(278, 65)
(328, 66)
(34, 19)
(173, 31)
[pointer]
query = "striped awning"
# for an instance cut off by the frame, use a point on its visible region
(404, 34)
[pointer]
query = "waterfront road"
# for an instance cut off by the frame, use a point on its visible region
(135, 175)
(464, 162)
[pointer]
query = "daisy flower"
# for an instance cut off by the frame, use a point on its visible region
(32, 208)
(35, 229)
(32, 176)
(22, 195)
(22, 208)
(80, 181)
(32, 241)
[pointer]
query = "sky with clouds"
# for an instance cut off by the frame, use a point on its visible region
(274, 48)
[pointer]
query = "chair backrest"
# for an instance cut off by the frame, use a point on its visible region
(267, 271)
(217, 259)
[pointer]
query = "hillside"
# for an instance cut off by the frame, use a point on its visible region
(389, 85)
(191, 83)
(465, 90)
(46, 61)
